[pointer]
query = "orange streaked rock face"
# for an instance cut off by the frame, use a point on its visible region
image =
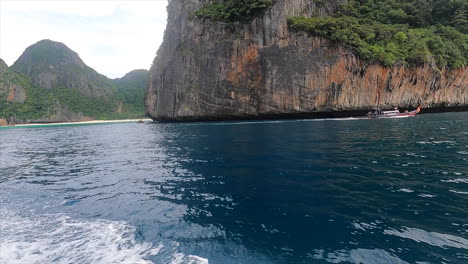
(10, 86)
(16, 94)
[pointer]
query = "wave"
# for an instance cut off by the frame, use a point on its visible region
(460, 180)
(357, 256)
(231, 123)
(459, 192)
(431, 238)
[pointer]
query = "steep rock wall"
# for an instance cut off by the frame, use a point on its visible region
(10, 85)
(207, 71)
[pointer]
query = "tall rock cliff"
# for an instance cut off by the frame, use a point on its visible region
(207, 70)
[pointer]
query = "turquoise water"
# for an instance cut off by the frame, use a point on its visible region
(299, 191)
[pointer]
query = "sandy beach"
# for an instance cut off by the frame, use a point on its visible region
(84, 122)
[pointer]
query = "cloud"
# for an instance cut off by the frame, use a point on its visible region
(99, 8)
(113, 37)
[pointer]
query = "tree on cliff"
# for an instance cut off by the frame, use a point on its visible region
(390, 31)
(233, 10)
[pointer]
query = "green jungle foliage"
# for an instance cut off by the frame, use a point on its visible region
(390, 31)
(125, 95)
(41, 102)
(233, 10)
(36, 106)
(131, 90)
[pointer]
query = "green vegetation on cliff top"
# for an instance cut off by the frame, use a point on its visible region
(233, 10)
(42, 103)
(385, 31)
(391, 31)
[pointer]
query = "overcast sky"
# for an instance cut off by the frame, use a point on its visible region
(113, 37)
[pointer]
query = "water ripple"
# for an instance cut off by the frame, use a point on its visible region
(237, 192)
(431, 238)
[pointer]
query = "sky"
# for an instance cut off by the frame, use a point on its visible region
(112, 37)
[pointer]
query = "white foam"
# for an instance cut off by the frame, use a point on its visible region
(459, 192)
(359, 255)
(60, 239)
(456, 180)
(365, 226)
(426, 195)
(431, 238)
(436, 142)
(406, 190)
(277, 121)
(409, 163)
(190, 259)
(57, 238)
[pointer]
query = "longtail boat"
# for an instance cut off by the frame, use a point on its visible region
(393, 113)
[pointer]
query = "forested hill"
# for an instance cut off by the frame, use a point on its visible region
(50, 83)
(132, 89)
(392, 31)
(52, 64)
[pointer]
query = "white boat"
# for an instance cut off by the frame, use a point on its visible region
(393, 113)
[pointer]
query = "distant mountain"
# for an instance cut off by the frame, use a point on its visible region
(51, 64)
(132, 88)
(132, 80)
(50, 83)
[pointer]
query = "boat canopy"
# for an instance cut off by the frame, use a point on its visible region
(391, 112)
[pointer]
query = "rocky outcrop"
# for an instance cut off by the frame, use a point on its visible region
(11, 87)
(209, 71)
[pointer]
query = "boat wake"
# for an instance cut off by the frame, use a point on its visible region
(232, 123)
(57, 238)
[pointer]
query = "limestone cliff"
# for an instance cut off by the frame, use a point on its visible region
(11, 85)
(206, 70)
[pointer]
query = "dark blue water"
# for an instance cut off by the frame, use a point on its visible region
(315, 191)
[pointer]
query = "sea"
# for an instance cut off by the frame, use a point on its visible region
(344, 190)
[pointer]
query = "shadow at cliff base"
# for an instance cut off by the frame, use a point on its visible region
(308, 115)
(443, 109)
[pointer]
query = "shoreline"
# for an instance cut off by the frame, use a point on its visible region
(298, 115)
(91, 122)
(266, 117)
